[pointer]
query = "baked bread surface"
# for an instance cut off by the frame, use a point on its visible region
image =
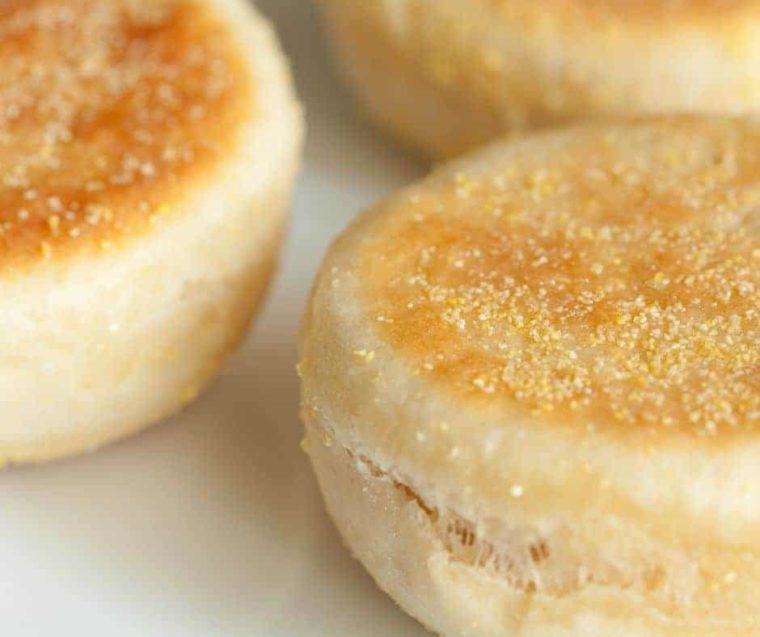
(139, 223)
(111, 112)
(447, 76)
(536, 373)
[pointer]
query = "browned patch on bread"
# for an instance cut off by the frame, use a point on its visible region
(608, 276)
(110, 112)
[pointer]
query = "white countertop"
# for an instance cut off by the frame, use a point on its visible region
(211, 524)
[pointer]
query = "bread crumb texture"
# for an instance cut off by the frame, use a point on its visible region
(108, 110)
(608, 276)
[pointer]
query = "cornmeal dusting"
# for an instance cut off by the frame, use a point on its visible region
(106, 108)
(612, 275)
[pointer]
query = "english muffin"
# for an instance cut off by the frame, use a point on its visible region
(448, 75)
(531, 385)
(147, 153)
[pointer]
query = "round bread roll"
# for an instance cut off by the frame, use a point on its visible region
(531, 386)
(147, 153)
(447, 75)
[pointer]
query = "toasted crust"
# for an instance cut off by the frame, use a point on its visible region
(112, 113)
(449, 75)
(140, 220)
(563, 332)
(620, 291)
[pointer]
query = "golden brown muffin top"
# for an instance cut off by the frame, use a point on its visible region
(109, 110)
(605, 276)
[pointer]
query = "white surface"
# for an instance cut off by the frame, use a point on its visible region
(211, 524)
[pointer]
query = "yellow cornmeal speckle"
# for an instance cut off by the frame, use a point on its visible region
(104, 107)
(54, 223)
(366, 356)
(628, 293)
